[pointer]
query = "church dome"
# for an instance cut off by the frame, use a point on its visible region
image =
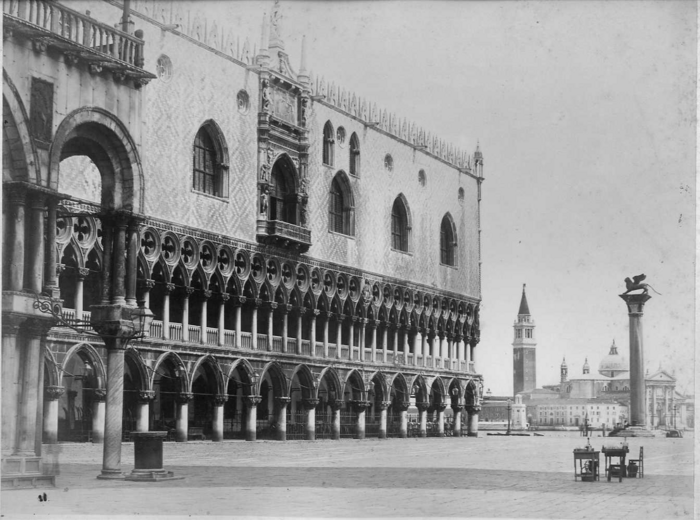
(612, 364)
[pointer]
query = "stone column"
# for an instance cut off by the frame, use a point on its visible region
(434, 346)
(270, 316)
(222, 314)
(11, 353)
(339, 338)
(132, 250)
(238, 301)
(52, 394)
(217, 426)
(34, 258)
(374, 324)
(169, 288)
(473, 424)
(417, 346)
(186, 314)
(423, 345)
(396, 341)
(459, 346)
(145, 399)
(107, 246)
(281, 417)
(285, 325)
(457, 422)
(112, 451)
(300, 328)
(361, 343)
(360, 409)
(14, 248)
(310, 405)
(119, 269)
(182, 423)
(254, 325)
(34, 334)
(635, 307)
(146, 286)
(79, 296)
(383, 406)
(423, 417)
(50, 279)
(251, 424)
(385, 337)
(98, 415)
(441, 418)
(403, 417)
(314, 313)
(335, 423)
(351, 339)
(203, 325)
(325, 334)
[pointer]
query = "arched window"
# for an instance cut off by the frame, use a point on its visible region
(341, 212)
(399, 226)
(328, 143)
(354, 155)
(209, 162)
(281, 207)
(447, 241)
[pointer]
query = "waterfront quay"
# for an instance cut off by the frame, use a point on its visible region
(492, 476)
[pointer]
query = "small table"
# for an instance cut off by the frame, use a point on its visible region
(586, 464)
(620, 454)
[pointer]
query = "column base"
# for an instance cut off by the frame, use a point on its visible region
(24, 471)
(151, 475)
(111, 474)
(635, 431)
(473, 434)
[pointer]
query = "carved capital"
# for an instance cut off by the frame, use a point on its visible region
(225, 297)
(83, 272)
(473, 409)
(118, 76)
(238, 300)
(422, 405)
(402, 406)
(184, 397)
(310, 403)
(169, 288)
(335, 404)
(206, 294)
(252, 400)
(146, 396)
(384, 405)
(361, 406)
(71, 58)
(300, 311)
(40, 44)
(440, 407)
(54, 393)
(148, 284)
(100, 394)
(220, 400)
(272, 305)
(189, 291)
(95, 68)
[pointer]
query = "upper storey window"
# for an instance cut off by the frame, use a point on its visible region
(281, 197)
(209, 169)
(341, 207)
(400, 226)
(447, 241)
(328, 144)
(354, 155)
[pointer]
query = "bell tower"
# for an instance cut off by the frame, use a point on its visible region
(524, 355)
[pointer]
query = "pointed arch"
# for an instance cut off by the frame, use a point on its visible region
(279, 379)
(306, 378)
(328, 144)
(284, 186)
(341, 206)
(51, 368)
(134, 355)
(448, 240)
(354, 155)
(401, 225)
(244, 366)
(213, 364)
(87, 350)
(210, 161)
(19, 144)
(182, 374)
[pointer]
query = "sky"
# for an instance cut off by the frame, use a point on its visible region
(585, 112)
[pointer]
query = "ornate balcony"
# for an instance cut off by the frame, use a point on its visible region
(284, 234)
(78, 36)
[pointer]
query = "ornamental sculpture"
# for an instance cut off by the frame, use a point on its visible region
(636, 284)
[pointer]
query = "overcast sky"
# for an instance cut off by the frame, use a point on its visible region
(585, 112)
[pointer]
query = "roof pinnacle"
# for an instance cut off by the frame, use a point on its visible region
(524, 308)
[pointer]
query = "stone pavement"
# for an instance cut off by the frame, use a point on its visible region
(486, 477)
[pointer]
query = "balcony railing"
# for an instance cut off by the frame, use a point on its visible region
(284, 233)
(70, 30)
(347, 353)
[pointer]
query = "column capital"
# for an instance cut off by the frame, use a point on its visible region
(456, 407)
(100, 394)
(315, 313)
(635, 303)
(220, 399)
(238, 300)
(473, 409)
(300, 310)
(328, 315)
(335, 404)
(53, 393)
(272, 305)
(283, 401)
(374, 323)
(189, 291)
(383, 405)
(16, 193)
(285, 308)
(252, 400)
(458, 337)
(206, 294)
(146, 396)
(256, 302)
(363, 321)
(224, 297)
(310, 403)
(147, 284)
(440, 407)
(169, 287)
(361, 406)
(38, 327)
(402, 406)
(83, 272)
(422, 405)
(184, 397)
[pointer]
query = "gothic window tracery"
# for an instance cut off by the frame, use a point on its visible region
(328, 144)
(209, 165)
(399, 226)
(447, 242)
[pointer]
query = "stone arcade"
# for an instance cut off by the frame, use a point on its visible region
(307, 276)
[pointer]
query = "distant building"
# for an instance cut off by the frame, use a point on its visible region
(524, 355)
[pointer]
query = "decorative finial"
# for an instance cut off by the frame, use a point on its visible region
(264, 55)
(303, 75)
(276, 27)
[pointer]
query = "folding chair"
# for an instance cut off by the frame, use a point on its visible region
(639, 462)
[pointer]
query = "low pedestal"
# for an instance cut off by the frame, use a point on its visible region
(635, 431)
(23, 472)
(148, 458)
